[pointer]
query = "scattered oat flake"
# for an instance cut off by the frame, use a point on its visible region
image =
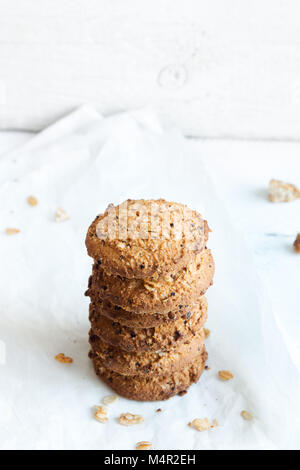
(280, 191)
(201, 424)
(101, 414)
(297, 244)
(246, 415)
(128, 419)
(32, 201)
(109, 399)
(61, 215)
(206, 332)
(64, 359)
(144, 445)
(225, 374)
(12, 231)
(215, 423)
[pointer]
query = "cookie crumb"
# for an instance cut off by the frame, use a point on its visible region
(225, 375)
(159, 410)
(109, 399)
(201, 424)
(144, 445)
(215, 423)
(207, 368)
(11, 231)
(206, 332)
(32, 201)
(297, 244)
(246, 415)
(128, 419)
(280, 191)
(101, 414)
(61, 215)
(63, 359)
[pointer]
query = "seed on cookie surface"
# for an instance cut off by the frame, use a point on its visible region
(150, 286)
(225, 375)
(128, 419)
(11, 231)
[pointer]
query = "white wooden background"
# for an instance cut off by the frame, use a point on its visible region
(216, 68)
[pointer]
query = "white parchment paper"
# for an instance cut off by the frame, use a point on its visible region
(81, 164)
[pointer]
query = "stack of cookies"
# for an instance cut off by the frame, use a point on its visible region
(151, 271)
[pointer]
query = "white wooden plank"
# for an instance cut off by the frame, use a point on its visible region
(214, 68)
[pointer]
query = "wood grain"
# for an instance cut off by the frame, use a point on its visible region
(215, 69)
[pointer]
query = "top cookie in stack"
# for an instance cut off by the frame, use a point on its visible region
(147, 288)
(154, 243)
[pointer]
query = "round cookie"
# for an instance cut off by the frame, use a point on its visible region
(162, 295)
(153, 388)
(159, 338)
(145, 238)
(137, 320)
(149, 363)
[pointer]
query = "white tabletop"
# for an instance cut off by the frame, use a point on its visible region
(241, 171)
(133, 155)
(213, 68)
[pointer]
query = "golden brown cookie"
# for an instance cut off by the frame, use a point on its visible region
(159, 338)
(145, 238)
(162, 295)
(138, 320)
(149, 363)
(154, 387)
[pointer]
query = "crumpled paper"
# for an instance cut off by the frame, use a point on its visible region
(81, 164)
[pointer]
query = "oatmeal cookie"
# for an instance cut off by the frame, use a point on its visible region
(138, 320)
(150, 295)
(154, 387)
(146, 238)
(159, 338)
(149, 363)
